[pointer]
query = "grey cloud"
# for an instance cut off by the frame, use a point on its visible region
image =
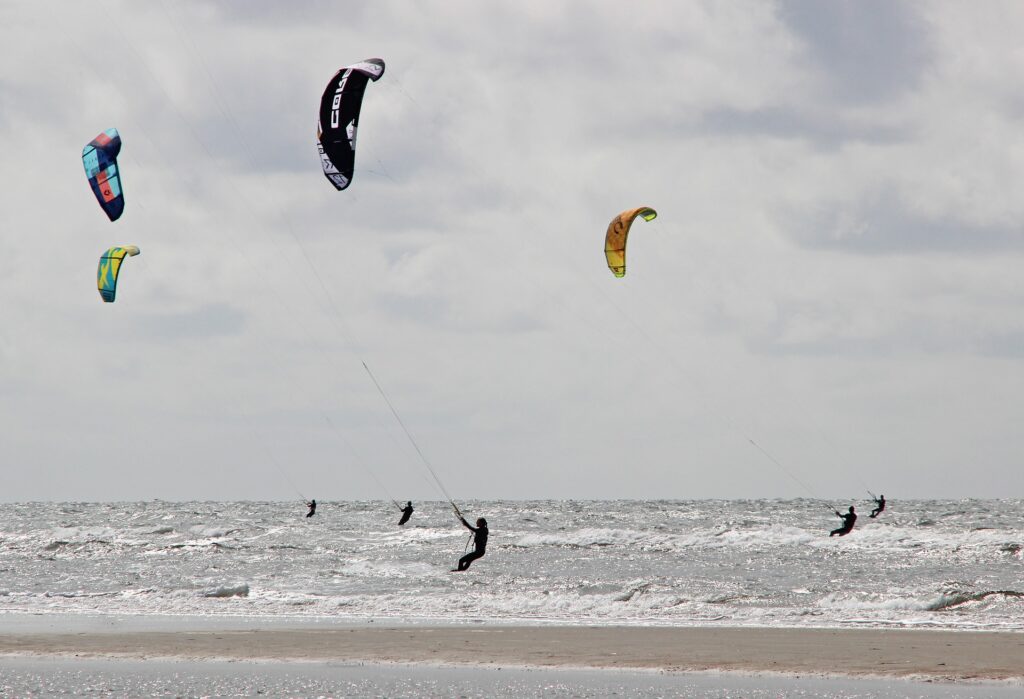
(912, 334)
(1005, 344)
(422, 308)
(438, 311)
(271, 13)
(870, 50)
(880, 223)
(821, 129)
(36, 103)
(215, 320)
(252, 136)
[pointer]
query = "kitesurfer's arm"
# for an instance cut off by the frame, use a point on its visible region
(466, 524)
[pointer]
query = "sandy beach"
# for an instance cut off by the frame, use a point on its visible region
(935, 655)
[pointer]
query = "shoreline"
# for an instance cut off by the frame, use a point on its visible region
(856, 653)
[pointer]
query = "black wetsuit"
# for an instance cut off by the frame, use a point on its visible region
(406, 514)
(879, 507)
(312, 508)
(848, 521)
(479, 545)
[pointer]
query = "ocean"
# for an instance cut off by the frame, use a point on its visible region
(947, 564)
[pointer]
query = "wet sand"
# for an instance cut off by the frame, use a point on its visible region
(22, 676)
(940, 655)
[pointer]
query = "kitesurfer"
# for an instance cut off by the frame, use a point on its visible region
(848, 521)
(879, 507)
(312, 508)
(406, 513)
(479, 542)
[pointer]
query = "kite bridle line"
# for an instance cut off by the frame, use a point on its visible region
(359, 461)
(273, 459)
(412, 441)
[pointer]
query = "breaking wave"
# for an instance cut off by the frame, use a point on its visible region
(241, 590)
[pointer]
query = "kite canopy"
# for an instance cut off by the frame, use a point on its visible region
(100, 161)
(110, 268)
(339, 119)
(618, 231)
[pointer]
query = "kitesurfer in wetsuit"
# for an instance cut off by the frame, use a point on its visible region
(406, 513)
(312, 508)
(879, 507)
(479, 542)
(848, 520)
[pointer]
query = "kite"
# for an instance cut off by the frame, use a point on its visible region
(339, 119)
(110, 268)
(618, 231)
(100, 161)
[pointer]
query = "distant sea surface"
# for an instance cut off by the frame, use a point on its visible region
(926, 563)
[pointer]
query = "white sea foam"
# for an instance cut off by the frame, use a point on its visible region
(584, 538)
(384, 569)
(945, 564)
(209, 532)
(236, 590)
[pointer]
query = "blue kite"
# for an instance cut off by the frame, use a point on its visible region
(100, 161)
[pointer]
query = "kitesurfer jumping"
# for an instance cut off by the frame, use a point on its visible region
(848, 521)
(879, 507)
(312, 508)
(479, 542)
(406, 513)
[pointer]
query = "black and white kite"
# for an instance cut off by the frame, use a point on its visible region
(339, 119)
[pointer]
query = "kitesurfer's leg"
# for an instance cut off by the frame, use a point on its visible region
(466, 560)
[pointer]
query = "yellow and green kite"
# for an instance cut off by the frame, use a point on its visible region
(110, 268)
(618, 231)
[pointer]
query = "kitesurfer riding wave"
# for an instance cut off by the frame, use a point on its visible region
(848, 521)
(879, 507)
(406, 513)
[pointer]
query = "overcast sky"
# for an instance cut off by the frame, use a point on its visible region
(834, 273)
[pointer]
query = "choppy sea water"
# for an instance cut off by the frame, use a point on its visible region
(935, 564)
